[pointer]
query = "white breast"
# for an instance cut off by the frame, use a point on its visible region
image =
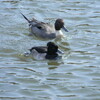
(38, 56)
(59, 34)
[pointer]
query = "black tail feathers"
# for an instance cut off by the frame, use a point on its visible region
(25, 17)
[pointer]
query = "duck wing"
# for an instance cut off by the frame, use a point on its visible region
(39, 49)
(43, 30)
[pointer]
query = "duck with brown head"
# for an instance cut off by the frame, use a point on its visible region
(46, 31)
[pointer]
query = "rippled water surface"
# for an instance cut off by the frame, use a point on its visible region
(75, 77)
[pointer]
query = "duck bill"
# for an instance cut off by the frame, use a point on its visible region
(64, 29)
(60, 52)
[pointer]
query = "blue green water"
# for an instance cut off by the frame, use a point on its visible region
(75, 77)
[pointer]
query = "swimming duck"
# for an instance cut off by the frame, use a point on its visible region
(45, 30)
(50, 51)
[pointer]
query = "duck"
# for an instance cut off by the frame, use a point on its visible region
(51, 51)
(46, 31)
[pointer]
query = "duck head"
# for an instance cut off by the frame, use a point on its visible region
(51, 50)
(59, 23)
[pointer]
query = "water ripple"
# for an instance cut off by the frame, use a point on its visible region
(75, 76)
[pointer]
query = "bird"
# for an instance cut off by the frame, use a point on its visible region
(46, 31)
(51, 51)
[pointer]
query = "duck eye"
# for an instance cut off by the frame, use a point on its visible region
(39, 27)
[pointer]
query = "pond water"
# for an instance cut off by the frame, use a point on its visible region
(75, 77)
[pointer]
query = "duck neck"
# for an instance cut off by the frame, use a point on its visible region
(51, 56)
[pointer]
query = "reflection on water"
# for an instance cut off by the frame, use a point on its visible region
(74, 77)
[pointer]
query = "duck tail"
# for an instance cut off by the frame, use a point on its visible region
(25, 17)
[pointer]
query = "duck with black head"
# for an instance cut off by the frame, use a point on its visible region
(51, 51)
(46, 31)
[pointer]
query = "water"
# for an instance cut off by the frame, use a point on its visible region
(75, 77)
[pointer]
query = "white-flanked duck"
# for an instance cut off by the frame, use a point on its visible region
(50, 51)
(45, 30)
